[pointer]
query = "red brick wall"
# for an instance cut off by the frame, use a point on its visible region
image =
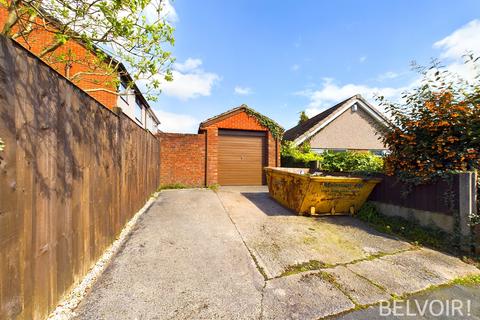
(85, 61)
(182, 159)
(273, 151)
(212, 155)
(240, 120)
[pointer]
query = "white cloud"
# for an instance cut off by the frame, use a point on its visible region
(330, 93)
(169, 11)
(243, 91)
(189, 65)
(174, 122)
(190, 81)
(387, 76)
(453, 47)
(461, 41)
(362, 59)
(295, 67)
(159, 9)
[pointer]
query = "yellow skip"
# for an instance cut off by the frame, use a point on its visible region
(318, 194)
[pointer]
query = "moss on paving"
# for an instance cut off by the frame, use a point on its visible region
(471, 280)
(303, 267)
(413, 232)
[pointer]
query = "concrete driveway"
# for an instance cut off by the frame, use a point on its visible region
(237, 254)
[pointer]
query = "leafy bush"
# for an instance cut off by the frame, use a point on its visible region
(351, 161)
(437, 126)
(293, 156)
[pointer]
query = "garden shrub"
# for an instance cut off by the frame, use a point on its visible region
(437, 126)
(297, 157)
(351, 161)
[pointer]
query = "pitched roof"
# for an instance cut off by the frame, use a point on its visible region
(308, 128)
(119, 65)
(233, 111)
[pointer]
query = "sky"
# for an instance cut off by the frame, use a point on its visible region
(283, 57)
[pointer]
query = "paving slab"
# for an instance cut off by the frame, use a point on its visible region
(412, 271)
(184, 260)
(303, 296)
(280, 239)
(465, 298)
(441, 264)
(362, 291)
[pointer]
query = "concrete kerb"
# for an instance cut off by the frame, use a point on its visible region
(65, 308)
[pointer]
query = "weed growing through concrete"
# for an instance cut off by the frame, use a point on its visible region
(214, 187)
(172, 186)
(407, 229)
(303, 267)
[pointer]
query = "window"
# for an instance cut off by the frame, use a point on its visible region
(138, 111)
(151, 124)
(122, 88)
(381, 153)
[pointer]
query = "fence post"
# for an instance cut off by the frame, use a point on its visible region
(467, 205)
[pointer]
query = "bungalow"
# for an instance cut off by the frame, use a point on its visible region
(97, 78)
(353, 124)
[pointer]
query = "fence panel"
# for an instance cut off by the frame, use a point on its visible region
(71, 175)
(441, 196)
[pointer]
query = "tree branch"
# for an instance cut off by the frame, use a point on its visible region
(50, 48)
(12, 18)
(103, 89)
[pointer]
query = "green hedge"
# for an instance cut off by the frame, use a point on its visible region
(349, 161)
(297, 157)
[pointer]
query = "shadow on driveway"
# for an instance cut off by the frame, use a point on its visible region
(270, 207)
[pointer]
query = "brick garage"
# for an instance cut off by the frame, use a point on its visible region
(230, 149)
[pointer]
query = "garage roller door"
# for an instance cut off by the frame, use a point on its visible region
(240, 160)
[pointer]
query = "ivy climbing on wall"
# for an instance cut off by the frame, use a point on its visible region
(275, 129)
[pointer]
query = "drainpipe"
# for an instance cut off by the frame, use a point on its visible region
(206, 157)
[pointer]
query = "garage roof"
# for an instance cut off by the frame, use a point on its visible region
(231, 112)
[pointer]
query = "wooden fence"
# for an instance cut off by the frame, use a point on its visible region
(440, 196)
(71, 175)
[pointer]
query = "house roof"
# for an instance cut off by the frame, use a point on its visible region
(233, 111)
(305, 130)
(120, 66)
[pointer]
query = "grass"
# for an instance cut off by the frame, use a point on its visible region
(405, 228)
(413, 232)
(303, 267)
(172, 186)
(468, 280)
(214, 187)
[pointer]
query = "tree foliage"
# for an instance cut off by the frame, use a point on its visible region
(134, 32)
(303, 117)
(437, 127)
